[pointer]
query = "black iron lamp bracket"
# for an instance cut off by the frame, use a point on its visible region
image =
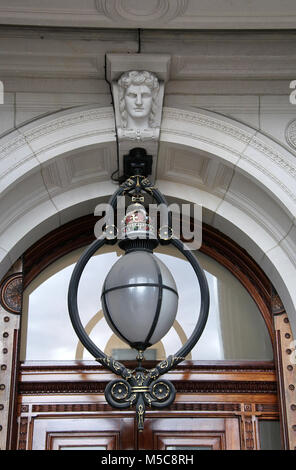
(140, 387)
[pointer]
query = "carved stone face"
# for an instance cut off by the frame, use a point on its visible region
(138, 102)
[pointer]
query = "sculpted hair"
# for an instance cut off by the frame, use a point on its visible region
(135, 77)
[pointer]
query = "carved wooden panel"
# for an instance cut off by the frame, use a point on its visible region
(213, 441)
(248, 432)
(23, 433)
(190, 376)
(217, 421)
(194, 431)
(51, 432)
(84, 441)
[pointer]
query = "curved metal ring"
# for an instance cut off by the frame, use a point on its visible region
(74, 313)
(72, 299)
(204, 301)
(88, 343)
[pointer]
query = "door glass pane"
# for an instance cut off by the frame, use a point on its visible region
(189, 448)
(270, 435)
(83, 448)
(235, 329)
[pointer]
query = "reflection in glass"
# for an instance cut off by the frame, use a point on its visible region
(235, 329)
(270, 435)
(83, 448)
(189, 448)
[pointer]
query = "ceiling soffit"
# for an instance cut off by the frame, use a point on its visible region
(181, 14)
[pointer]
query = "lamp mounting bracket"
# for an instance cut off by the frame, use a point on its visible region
(137, 84)
(136, 162)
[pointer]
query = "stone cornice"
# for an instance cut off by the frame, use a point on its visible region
(181, 14)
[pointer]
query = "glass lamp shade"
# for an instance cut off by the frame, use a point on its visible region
(140, 299)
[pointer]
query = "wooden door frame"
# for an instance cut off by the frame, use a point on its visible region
(79, 233)
(244, 391)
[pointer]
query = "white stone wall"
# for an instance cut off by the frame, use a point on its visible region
(244, 76)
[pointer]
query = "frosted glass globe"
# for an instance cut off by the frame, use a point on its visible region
(140, 299)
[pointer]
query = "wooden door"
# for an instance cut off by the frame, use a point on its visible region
(114, 433)
(190, 433)
(79, 432)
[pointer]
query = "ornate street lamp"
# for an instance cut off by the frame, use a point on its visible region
(139, 296)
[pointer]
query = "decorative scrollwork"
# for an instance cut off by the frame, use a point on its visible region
(140, 390)
(165, 366)
(154, 373)
(11, 291)
(132, 399)
(148, 399)
(160, 390)
(137, 183)
(140, 410)
(161, 393)
(140, 378)
(115, 366)
(118, 393)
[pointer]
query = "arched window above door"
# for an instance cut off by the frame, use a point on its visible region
(236, 329)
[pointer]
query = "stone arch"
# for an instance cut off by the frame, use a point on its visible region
(55, 168)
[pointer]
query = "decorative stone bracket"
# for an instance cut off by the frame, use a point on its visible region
(138, 82)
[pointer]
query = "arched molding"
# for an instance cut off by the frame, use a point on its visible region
(237, 145)
(35, 143)
(40, 193)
